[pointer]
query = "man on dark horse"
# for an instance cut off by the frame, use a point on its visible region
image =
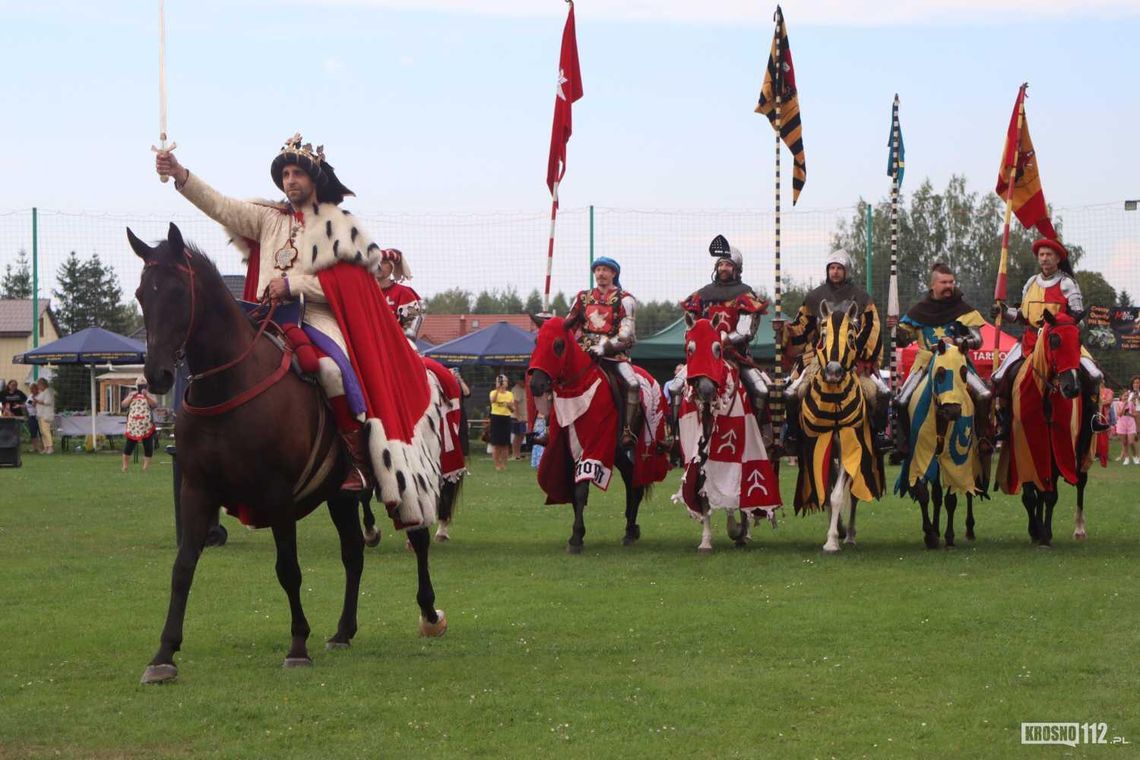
(740, 309)
(308, 248)
(404, 302)
(942, 316)
(803, 332)
(606, 322)
(1053, 289)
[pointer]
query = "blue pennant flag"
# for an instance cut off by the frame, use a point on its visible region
(891, 145)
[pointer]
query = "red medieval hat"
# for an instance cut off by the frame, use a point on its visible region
(1052, 245)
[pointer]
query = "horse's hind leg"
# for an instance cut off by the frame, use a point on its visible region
(195, 523)
(633, 497)
(289, 576)
(578, 532)
(432, 621)
(1079, 533)
(1029, 499)
(371, 532)
(951, 505)
(970, 517)
(921, 493)
(342, 510)
(1050, 501)
(706, 546)
(849, 539)
(448, 496)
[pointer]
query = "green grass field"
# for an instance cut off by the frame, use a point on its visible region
(887, 650)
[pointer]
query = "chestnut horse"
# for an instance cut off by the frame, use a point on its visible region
(252, 436)
(583, 430)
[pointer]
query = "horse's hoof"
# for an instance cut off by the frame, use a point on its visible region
(970, 536)
(164, 673)
(1044, 546)
(950, 546)
(704, 550)
(297, 662)
(628, 540)
(1080, 536)
(830, 550)
(436, 629)
(573, 548)
(371, 538)
(332, 644)
(931, 542)
(441, 537)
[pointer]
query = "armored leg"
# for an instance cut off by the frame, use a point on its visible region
(757, 389)
(877, 390)
(1091, 380)
(1002, 391)
(982, 403)
(631, 386)
(902, 411)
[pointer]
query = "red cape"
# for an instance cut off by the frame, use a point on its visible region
(391, 373)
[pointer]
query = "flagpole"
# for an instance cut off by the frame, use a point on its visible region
(776, 406)
(893, 286)
(550, 249)
(1000, 289)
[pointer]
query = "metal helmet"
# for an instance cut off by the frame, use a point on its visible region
(840, 257)
(720, 249)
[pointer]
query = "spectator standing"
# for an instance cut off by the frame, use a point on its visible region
(518, 425)
(45, 411)
(502, 409)
(1126, 422)
(140, 424)
(33, 420)
(14, 400)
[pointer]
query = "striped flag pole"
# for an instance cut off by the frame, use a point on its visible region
(776, 406)
(550, 249)
(893, 286)
(1000, 293)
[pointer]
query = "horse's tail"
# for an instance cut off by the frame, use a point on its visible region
(449, 494)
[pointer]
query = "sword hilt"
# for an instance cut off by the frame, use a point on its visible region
(162, 147)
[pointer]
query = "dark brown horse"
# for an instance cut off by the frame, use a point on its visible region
(253, 436)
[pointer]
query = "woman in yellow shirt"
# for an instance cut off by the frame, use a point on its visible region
(502, 410)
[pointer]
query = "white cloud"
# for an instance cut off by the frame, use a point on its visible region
(806, 12)
(334, 66)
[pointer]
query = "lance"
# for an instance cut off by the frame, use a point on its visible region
(162, 147)
(550, 249)
(776, 405)
(1003, 265)
(893, 285)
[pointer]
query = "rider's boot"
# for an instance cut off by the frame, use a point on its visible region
(358, 466)
(882, 439)
(793, 433)
(901, 429)
(983, 426)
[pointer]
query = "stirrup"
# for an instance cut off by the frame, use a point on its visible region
(355, 480)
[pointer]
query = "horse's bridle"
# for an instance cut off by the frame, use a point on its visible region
(180, 353)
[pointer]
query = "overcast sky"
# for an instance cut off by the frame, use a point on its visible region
(444, 105)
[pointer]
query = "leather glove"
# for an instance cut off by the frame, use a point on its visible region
(598, 350)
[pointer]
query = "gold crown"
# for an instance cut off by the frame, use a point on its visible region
(293, 146)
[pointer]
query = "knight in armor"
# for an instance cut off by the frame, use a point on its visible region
(740, 308)
(802, 333)
(606, 323)
(942, 316)
(405, 303)
(1054, 289)
(297, 250)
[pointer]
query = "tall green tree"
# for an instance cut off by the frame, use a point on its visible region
(452, 301)
(17, 283)
(533, 303)
(559, 305)
(960, 228)
(89, 295)
(654, 316)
